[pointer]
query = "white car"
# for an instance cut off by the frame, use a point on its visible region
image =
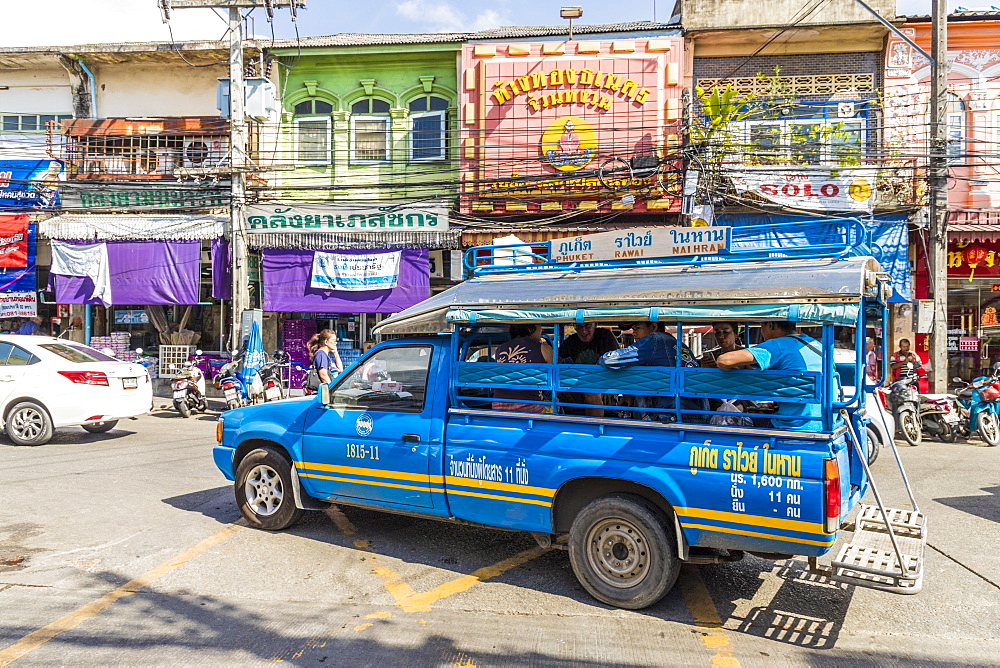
(881, 425)
(47, 383)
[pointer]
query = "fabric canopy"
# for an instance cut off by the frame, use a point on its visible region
(142, 272)
(287, 274)
(888, 236)
(841, 314)
(133, 226)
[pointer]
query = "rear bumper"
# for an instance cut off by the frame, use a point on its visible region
(118, 407)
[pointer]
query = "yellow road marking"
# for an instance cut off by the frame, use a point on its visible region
(385, 614)
(38, 638)
(699, 602)
(742, 532)
(421, 602)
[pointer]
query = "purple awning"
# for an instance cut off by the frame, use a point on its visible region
(142, 272)
(222, 269)
(287, 273)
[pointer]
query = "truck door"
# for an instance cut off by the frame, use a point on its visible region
(373, 440)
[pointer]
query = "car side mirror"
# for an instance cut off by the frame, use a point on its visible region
(324, 394)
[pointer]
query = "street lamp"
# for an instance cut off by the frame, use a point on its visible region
(571, 13)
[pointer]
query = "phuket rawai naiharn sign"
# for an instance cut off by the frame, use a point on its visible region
(539, 119)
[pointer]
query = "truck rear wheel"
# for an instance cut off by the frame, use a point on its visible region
(622, 551)
(264, 490)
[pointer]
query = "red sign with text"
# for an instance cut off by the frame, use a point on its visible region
(14, 241)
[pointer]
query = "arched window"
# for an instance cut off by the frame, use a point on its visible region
(956, 128)
(312, 132)
(428, 128)
(370, 131)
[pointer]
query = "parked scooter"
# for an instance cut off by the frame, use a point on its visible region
(983, 397)
(270, 377)
(938, 416)
(234, 390)
(188, 386)
(905, 402)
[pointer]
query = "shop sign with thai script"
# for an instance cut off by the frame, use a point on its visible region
(92, 197)
(819, 189)
(974, 259)
(642, 244)
(131, 317)
(18, 305)
(544, 122)
(369, 216)
(355, 272)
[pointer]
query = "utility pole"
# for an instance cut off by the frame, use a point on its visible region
(938, 246)
(237, 139)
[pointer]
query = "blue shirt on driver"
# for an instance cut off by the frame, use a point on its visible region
(793, 352)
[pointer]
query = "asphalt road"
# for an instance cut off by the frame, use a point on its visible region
(126, 548)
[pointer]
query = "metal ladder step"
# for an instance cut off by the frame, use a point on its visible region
(870, 561)
(908, 523)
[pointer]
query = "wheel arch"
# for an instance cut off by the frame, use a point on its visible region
(574, 494)
(35, 400)
(249, 445)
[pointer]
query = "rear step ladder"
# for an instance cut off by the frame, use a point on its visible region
(887, 551)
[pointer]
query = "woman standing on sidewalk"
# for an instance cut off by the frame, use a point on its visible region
(323, 350)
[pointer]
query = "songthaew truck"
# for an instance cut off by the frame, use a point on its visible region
(413, 427)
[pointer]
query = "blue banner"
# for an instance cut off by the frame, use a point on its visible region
(21, 279)
(29, 184)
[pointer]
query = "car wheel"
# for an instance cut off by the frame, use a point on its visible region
(264, 490)
(99, 427)
(909, 424)
(182, 407)
(873, 445)
(989, 428)
(622, 551)
(28, 423)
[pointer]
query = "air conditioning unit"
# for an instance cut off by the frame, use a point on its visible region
(202, 152)
(157, 160)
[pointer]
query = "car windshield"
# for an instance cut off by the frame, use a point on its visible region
(79, 354)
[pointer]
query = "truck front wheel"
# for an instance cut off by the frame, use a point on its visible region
(264, 490)
(622, 551)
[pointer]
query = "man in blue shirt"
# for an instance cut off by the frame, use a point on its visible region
(784, 349)
(653, 347)
(29, 326)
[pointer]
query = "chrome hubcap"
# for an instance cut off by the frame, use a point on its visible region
(27, 423)
(263, 490)
(618, 553)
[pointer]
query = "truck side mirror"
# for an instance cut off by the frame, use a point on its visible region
(324, 394)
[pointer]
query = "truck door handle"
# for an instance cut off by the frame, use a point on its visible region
(411, 438)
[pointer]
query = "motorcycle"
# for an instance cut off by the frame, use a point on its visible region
(983, 396)
(189, 388)
(270, 377)
(939, 417)
(234, 390)
(905, 403)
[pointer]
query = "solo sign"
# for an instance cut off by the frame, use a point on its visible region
(817, 189)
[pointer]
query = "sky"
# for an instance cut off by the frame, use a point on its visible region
(69, 22)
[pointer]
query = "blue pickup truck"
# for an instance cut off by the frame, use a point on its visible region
(411, 427)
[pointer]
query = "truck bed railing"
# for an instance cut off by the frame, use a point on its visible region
(561, 385)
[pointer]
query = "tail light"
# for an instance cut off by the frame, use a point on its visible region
(86, 377)
(831, 495)
(882, 398)
(271, 383)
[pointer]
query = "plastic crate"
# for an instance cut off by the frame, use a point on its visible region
(173, 359)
